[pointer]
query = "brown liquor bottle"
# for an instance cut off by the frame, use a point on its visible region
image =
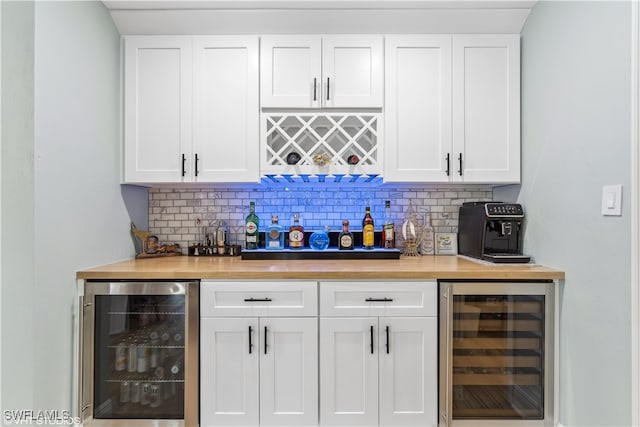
(345, 239)
(367, 229)
(296, 233)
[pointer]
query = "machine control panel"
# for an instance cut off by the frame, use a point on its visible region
(504, 209)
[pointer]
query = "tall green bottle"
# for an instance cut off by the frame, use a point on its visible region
(251, 228)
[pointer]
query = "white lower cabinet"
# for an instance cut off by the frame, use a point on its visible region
(378, 359)
(258, 370)
(375, 345)
(378, 371)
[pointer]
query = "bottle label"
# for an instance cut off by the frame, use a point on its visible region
(346, 241)
(252, 227)
(295, 238)
(274, 234)
(388, 232)
(367, 235)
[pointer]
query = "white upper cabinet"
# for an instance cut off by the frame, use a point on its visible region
(486, 108)
(226, 111)
(417, 107)
(157, 108)
(321, 72)
(191, 109)
(452, 108)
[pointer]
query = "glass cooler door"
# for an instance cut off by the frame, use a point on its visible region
(498, 356)
(139, 350)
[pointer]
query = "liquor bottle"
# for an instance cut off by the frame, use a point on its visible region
(296, 233)
(427, 247)
(345, 239)
(251, 228)
(319, 240)
(275, 234)
(367, 229)
(388, 230)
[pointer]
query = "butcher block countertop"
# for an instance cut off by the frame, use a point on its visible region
(425, 267)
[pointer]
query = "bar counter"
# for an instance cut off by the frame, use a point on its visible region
(410, 268)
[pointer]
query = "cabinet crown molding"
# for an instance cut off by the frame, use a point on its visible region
(318, 17)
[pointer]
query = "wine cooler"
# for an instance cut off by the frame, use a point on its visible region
(496, 353)
(139, 353)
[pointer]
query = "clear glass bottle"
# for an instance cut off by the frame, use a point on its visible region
(345, 239)
(296, 233)
(368, 235)
(388, 230)
(427, 246)
(251, 228)
(275, 235)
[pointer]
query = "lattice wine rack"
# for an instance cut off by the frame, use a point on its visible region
(321, 144)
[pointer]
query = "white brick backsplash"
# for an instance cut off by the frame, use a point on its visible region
(173, 211)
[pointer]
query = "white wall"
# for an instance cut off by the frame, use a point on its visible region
(575, 139)
(74, 215)
(18, 278)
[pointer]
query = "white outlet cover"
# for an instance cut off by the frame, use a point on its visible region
(612, 200)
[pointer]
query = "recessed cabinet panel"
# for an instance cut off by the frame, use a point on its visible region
(352, 71)
(486, 108)
(157, 108)
(228, 372)
(418, 108)
(226, 109)
(288, 372)
(348, 371)
(408, 371)
(289, 65)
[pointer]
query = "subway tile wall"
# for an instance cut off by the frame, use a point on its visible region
(175, 212)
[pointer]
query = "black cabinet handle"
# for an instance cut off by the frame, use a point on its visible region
(327, 88)
(460, 163)
(250, 343)
(265, 340)
(371, 338)
(386, 331)
(448, 164)
(315, 85)
(257, 299)
(379, 300)
(184, 160)
(196, 171)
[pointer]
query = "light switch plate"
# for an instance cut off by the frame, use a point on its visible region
(612, 200)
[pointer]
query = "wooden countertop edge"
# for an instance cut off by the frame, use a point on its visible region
(406, 269)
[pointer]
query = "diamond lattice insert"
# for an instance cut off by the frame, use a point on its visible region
(337, 136)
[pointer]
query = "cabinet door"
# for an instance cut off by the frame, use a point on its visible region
(408, 371)
(226, 109)
(290, 71)
(229, 372)
(352, 71)
(349, 371)
(157, 109)
(486, 108)
(418, 108)
(289, 372)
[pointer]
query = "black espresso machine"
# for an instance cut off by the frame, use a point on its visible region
(492, 231)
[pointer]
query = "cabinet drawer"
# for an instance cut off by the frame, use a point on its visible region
(264, 299)
(378, 298)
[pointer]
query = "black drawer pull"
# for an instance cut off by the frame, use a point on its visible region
(379, 300)
(257, 300)
(250, 343)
